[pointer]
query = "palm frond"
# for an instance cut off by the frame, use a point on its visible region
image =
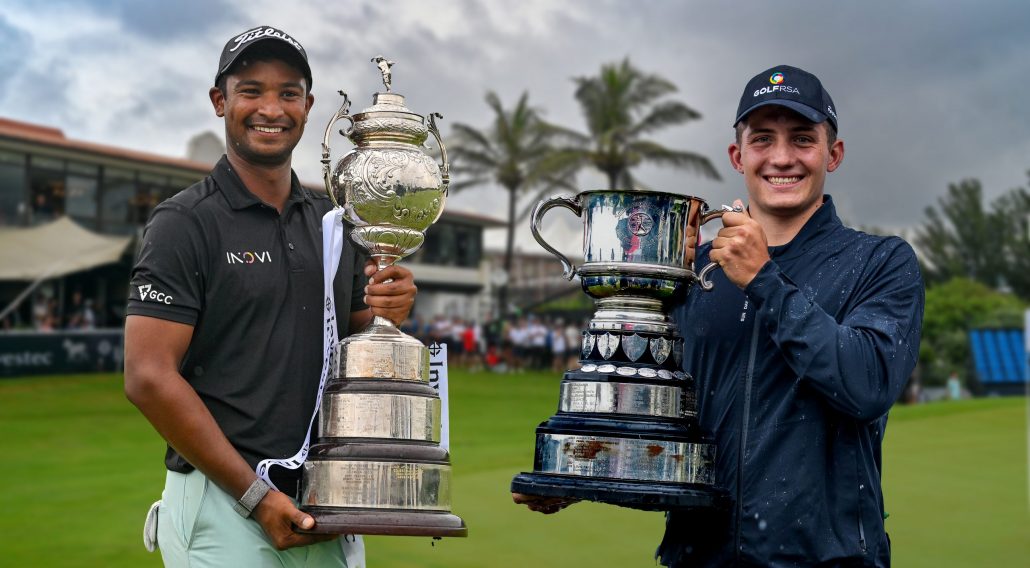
(656, 153)
(466, 159)
(466, 135)
(662, 115)
(462, 184)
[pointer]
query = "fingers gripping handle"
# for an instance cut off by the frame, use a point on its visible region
(702, 276)
(570, 203)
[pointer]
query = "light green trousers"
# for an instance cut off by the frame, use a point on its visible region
(197, 528)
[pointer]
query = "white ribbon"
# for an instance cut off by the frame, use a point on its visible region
(332, 247)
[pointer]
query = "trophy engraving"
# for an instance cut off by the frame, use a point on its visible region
(626, 430)
(377, 466)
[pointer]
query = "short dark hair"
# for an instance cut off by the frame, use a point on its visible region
(265, 51)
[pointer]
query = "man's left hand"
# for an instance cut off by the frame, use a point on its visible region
(390, 292)
(740, 248)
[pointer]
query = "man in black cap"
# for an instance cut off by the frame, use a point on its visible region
(224, 334)
(806, 341)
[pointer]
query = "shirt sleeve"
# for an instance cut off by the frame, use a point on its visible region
(167, 281)
(861, 364)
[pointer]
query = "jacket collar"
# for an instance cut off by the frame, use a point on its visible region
(823, 222)
(239, 197)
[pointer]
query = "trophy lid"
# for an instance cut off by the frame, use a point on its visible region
(388, 119)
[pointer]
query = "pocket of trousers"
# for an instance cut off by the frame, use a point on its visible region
(194, 495)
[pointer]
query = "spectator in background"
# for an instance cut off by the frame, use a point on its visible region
(558, 346)
(469, 348)
(81, 313)
(440, 329)
(573, 344)
(40, 311)
(537, 333)
(455, 345)
(518, 334)
(954, 386)
(89, 317)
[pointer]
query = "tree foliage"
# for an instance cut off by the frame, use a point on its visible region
(622, 105)
(513, 152)
(962, 238)
(952, 309)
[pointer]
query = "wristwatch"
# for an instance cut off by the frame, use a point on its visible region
(255, 493)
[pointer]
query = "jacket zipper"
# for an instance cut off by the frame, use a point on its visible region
(861, 531)
(861, 487)
(743, 434)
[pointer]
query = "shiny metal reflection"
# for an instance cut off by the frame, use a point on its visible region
(622, 458)
(377, 485)
(380, 415)
(621, 398)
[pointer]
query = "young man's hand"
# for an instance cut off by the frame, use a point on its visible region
(545, 505)
(740, 248)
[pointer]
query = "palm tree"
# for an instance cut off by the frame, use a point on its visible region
(621, 105)
(514, 152)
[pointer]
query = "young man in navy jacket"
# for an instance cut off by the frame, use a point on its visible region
(800, 350)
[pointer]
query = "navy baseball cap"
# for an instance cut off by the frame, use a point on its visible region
(237, 45)
(790, 87)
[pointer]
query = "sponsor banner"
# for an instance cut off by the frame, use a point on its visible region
(438, 380)
(57, 352)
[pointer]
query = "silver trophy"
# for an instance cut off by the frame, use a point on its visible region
(626, 430)
(377, 466)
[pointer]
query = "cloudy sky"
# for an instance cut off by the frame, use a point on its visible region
(928, 92)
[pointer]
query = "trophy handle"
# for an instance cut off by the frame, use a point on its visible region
(326, 175)
(570, 203)
(445, 168)
(702, 277)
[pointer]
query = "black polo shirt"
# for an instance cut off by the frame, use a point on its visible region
(249, 281)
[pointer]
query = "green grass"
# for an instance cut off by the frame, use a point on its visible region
(80, 467)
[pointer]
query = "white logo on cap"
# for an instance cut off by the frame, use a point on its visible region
(263, 32)
(774, 88)
(829, 109)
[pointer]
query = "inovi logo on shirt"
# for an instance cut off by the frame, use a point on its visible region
(146, 292)
(248, 257)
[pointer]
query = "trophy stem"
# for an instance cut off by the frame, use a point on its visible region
(384, 260)
(380, 321)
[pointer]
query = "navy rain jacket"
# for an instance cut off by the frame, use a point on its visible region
(795, 375)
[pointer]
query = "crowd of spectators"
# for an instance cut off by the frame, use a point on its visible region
(80, 313)
(512, 345)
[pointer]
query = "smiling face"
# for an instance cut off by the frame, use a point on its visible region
(265, 105)
(784, 158)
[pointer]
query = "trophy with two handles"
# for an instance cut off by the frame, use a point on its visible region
(377, 466)
(626, 430)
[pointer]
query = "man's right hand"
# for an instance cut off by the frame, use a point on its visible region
(545, 505)
(277, 516)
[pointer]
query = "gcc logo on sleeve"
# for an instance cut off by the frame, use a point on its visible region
(147, 293)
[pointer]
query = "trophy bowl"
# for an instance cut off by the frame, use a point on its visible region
(377, 466)
(626, 429)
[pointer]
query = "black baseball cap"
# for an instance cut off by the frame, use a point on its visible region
(790, 87)
(261, 35)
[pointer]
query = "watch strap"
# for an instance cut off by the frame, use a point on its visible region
(255, 493)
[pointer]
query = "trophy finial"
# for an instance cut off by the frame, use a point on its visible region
(384, 65)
